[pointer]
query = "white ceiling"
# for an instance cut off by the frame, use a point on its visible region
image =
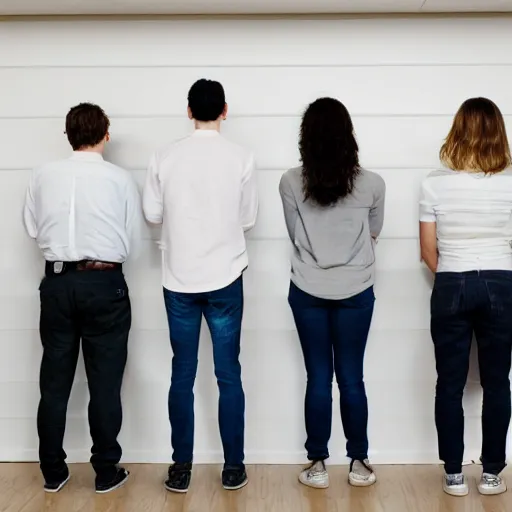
(155, 7)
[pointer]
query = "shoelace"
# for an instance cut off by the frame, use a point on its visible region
(492, 480)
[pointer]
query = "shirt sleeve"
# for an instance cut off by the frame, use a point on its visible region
(29, 210)
(152, 199)
(427, 203)
(249, 200)
(133, 218)
(377, 210)
(289, 206)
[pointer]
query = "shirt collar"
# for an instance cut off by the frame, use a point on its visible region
(86, 156)
(206, 133)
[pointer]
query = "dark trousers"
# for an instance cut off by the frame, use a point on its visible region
(333, 336)
(464, 304)
(94, 307)
(222, 310)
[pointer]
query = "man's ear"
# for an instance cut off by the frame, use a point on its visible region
(189, 112)
(225, 112)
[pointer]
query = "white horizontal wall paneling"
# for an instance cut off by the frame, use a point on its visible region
(77, 7)
(402, 79)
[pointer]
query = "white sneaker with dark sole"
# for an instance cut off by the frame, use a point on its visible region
(455, 485)
(53, 488)
(491, 485)
(361, 473)
(315, 475)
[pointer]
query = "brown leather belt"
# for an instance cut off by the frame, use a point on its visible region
(60, 267)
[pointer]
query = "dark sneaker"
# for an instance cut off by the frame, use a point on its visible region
(118, 481)
(234, 477)
(179, 477)
(56, 485)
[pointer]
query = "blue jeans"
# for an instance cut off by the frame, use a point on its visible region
(464, 304)
(222, 310)
(333, 336)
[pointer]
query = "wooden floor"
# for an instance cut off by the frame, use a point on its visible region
(271, 489)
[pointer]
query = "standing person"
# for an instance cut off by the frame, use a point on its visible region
(466, 238)
(203, 191)
(334, 211)
(85, 215)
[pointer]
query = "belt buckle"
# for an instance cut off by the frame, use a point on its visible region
(58, 267)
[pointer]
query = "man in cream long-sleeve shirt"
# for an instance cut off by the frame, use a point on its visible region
(202, 189)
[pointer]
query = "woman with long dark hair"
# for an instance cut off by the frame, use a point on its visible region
(334, 211)
(466, 241)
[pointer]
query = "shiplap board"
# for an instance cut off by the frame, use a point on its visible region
(78, 7)
(448, 41)
(162, 91)
(386, 142)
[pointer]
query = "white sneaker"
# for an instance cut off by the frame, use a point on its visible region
(361, 473)
(491, 484)
(315, 475)
(455, 484)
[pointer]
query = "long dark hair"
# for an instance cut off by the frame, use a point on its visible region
(329, 152)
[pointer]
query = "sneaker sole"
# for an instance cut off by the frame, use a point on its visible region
(177, 491)
(361, 483)
(243, 484)
(313, 485)
(458, 493)
(53, 491)
(493, 492)
(119, 485)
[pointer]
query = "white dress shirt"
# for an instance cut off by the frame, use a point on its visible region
(473, 216)
(203, 190)
(83, 208)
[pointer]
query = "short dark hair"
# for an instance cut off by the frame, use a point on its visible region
(86, 125)
(329, 152)
(206, 100)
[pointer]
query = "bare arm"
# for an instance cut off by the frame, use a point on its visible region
(428, 243)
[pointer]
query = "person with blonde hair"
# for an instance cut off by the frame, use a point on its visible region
(466, 240)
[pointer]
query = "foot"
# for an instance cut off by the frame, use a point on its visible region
(234, 477)
(361, 473)
(491, 484)
(55, 485)
(455, 484)
(118, 481)
(315, 475)
(179, 477)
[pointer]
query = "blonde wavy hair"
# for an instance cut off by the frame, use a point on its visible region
(478, 140)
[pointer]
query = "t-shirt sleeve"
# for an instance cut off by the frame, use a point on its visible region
(428, 202)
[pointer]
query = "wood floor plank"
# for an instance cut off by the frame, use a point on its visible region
(271, 489)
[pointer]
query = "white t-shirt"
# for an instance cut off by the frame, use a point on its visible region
(473, 216)
(203, 190)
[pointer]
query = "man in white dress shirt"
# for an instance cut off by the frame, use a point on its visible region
(86, 217)
(203, 191)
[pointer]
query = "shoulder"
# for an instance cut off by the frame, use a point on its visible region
(373, 180)
(291, 179)
(237, 150)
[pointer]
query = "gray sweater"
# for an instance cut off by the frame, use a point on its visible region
(333, 256)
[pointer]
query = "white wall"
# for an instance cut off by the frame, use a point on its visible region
(401, 79)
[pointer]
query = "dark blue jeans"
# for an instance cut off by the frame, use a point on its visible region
(333, 336)
(464, 304)
(222, 310)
